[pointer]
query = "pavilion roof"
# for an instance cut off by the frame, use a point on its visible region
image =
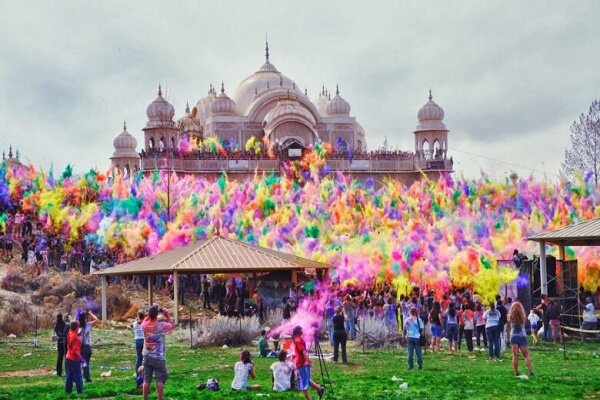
(585, 233)
(216, 255)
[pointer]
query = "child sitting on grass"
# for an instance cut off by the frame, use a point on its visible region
(283, 377)
(263, 346)
(244, 370)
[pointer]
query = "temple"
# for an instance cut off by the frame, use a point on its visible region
(269, 120)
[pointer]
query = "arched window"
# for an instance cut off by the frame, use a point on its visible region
(426, 149)
(173, 145)
(359, 145)
(161, 143)
(437, 149)
(151, 143)
(126, 171)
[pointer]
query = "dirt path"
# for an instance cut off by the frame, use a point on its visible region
(26, 374)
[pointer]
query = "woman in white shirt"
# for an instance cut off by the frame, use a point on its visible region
(534, 320)
(590, 321)
(244, 370)
(282, 373)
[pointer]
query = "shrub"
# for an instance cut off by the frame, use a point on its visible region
(63, 284)
(375, 334)
(19, 317)
(222, 330)
(117, 302)
(14, 280)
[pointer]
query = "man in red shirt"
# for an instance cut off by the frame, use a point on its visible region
(303, 365)
(73, 360)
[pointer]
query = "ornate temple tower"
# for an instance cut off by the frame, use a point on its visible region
(160, 131)
(431, 135)
(125, 159)
(189, 126)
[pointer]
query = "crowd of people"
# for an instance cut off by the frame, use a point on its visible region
(41, 249)
(268, 153)
(421, 318)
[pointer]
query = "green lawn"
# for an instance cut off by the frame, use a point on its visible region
(367, 377)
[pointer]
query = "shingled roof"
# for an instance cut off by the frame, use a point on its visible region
(216, 255)
(585, 233)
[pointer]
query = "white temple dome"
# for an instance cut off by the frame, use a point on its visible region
(266, 78)
(125, 144)
(337, 105)
(223, 103)
(160, 110)
(430, 117)
(321, 102)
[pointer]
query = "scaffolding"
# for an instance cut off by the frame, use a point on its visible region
(562, 285)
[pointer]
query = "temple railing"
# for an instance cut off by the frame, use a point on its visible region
(244, 165)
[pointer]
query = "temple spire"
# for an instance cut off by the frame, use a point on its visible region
(159, 90)
(187, 108)
(124, 125)
(10, 153)
(337, 90)
(430, 96)
(222, 87)
(266, 48)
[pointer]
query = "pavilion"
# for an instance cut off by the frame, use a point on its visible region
(217, 255)
(585, 233)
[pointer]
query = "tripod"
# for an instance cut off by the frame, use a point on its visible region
(322, 364)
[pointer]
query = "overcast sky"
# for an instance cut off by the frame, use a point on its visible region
(511, 76)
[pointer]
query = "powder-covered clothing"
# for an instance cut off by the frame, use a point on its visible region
(282, 375)
(479, 320)
(533, 319)
(137, 331)
(73, 346)
(86, 334)
(242, 375)
(154, 337)
(452, 319)
(413, 326)
(492, 318)
(589, 314)
(299, 351)
(467, 320)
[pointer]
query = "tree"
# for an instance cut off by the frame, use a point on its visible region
(584, 154)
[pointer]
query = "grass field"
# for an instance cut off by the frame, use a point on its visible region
(367, 377)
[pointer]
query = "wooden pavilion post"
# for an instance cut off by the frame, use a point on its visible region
(150, 293)
(104, 290)
(175, 296)
(543, 273)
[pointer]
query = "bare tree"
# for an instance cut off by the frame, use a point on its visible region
(584, 154)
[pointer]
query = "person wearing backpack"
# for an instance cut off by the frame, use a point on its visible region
(413, 329)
